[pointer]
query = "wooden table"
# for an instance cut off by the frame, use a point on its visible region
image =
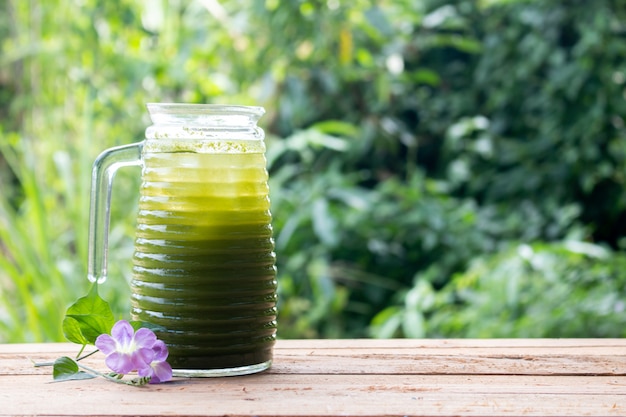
(539, 377)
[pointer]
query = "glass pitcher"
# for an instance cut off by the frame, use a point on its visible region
(204, 264)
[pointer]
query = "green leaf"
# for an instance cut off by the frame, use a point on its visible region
(88, 318)
(337, 127)
(386, 323)
(66, 369)
(425, 76)
(72, 331)
(413, 324)
(324, 224)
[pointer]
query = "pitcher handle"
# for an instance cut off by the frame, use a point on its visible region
(104, 168)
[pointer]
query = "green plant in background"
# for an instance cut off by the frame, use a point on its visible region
(43, 259)
(534, 136)
(567, 289)
(548, 92)
(564, 289)
(405, 140)
(478, 142)
(347, 249)
(27, 256)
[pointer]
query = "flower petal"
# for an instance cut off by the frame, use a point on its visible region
(142, 357)
(120, 363)
(122, 332)
(145, 371)
(160, 351)
(162, 372)
(145, 338)
(106, 344)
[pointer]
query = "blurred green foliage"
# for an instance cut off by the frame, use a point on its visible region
(438, 168)
(568, 289)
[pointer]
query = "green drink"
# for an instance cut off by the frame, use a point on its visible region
(204, 258)
(203, 269)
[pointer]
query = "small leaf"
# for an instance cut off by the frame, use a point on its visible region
(88, 318)
(66, 369)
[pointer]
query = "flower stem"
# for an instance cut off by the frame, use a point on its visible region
(117, 378)
(87, 355)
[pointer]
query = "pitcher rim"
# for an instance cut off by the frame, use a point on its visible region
(204, 108)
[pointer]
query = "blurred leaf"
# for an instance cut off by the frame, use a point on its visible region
(386, 323)
(336, 127)
(323, 222)
(413, 324)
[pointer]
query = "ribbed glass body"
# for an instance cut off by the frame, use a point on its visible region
(204, 263)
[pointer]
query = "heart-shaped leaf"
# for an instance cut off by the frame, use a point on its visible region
(88, 318)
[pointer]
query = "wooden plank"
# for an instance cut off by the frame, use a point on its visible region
(281, 395)
(395, 344)
(442, 365)
(586, 360)
(354, 377)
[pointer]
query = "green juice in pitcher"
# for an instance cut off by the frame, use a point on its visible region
(203, 269)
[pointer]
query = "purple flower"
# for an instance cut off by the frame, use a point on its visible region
(140, 351)
(159, 370)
